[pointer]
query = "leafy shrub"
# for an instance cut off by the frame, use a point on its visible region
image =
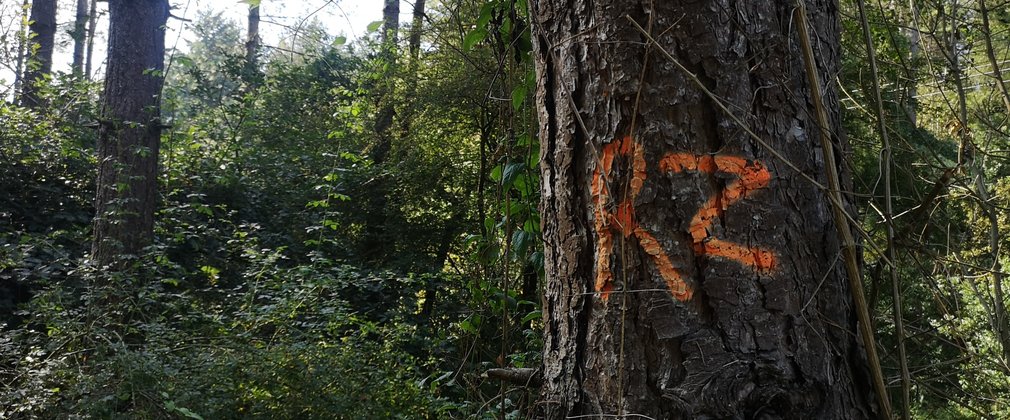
(281, 343)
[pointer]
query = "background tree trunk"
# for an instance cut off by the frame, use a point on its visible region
(80, 35)
(92, 26)
(42, 37)
(130, 132)
(414, 50)
(23, 43)
(374, 243)
(690, 274)
(252, 43)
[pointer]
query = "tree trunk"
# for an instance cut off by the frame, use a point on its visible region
(252, 43)
(691, 272)
(414, 49)
(80, 35)
(23, 43)
(914, 48)
(374, 245)
(384, 119)
(130, 132)
(42, 38)
(92, 26)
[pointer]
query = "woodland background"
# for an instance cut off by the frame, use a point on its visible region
(313, 257)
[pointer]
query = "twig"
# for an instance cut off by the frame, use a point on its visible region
(899, 324)
(849, 250)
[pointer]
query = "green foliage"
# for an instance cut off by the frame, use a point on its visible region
(931, 60)
(261, 298)
(255, 301)
(284, 343)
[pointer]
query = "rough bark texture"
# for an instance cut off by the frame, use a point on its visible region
(690, 274)
(130, 130)
(42, 33)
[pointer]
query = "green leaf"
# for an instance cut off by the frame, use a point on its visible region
(522, 184)
(188, 413)
(489, 254)
(512, 171)
(532, 224)
(506, 28)
(534, 158)
(374, 26)
(521, 241)
(485, 14)
(212, 273)
(518, 208)
(532, 315)
(496, 173)
(471, 239)
(184, 61)
(471, 324)
(518, 97)
(536, 259)
(473, 38)
(317, 203)
(340, 40)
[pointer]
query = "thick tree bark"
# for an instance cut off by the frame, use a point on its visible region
(130, 130)
(42, 38)
(690, 272)
(80, 35)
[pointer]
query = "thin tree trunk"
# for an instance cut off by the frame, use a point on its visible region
(691, 267)
(79, 36)
(892, 255)
(129, 135)
(23, 43)
(375, 243)
(42, 40)
(384, 119)
(414, 49)
(990, 52)
(252, 43)
(92, 27)
(914, 46)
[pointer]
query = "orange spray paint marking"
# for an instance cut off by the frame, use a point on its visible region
(752, 176)
(625, 222)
